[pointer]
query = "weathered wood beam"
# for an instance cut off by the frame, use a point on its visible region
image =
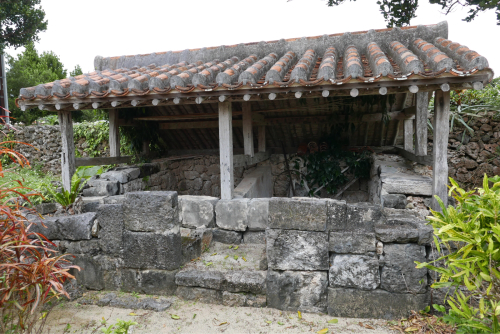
(68, 148)
(262, 138)
(408, 135)
(423, 160)
(421, 124)
(226, 150)
(114, 133)
(247, 129)
(440, 148)
(102, 161)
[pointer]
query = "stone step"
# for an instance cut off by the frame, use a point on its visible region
(407, 184)
(125, 300)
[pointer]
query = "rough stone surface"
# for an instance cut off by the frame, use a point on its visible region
(362, 216)
(398, 273)
(45, 208)
(399, 183)
(258, 214)
(232, 214)
(297, 213)
(336, 211)
(118, 199)
(243, 299)
(304, 291)
(205, 235)
(76, 227)
(129, 302)
(245, 281)
(91, 273)
(226, 237)
(250, 237)
(151, 211)
(396, 201)
(297, 250)
(397, 229)
(110, 219)
(101, 188)
(354, 271)
(158, 282)
(207, 296)
(355, 242)
(197, 211)
(122, 176)
(50, 230)
(356, 303)
(147, 250)
(191, 248)
(198, 278)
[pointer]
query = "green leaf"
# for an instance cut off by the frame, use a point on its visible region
(333, 321)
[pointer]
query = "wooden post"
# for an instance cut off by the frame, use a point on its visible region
(421, 124)
(114, 133)
(262, 138)
(440, 148)
(145, 147)
(408, 136)
(226, 150)
(247, 129)
(68, 148)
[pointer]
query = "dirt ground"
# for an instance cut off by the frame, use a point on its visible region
(203, 318)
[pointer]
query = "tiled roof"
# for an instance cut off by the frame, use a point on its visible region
(421, 52)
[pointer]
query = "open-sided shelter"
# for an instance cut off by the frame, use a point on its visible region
(259, 94)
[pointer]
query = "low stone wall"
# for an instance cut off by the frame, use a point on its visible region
(256, 184)
(321, 255)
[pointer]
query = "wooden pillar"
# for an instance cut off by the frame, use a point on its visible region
(247, 129)
(68, 148)
(145, 147)
(262, 138)
(440, 148)
(421, 124)
(226, 150)
(408, 135)
(114, 133)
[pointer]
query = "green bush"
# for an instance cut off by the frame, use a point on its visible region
(470, 234)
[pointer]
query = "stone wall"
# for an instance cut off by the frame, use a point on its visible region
(320, 255)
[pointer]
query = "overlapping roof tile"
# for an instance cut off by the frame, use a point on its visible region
(393, 54)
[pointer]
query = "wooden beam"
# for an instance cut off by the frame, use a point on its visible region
(200, 125)
(408, 135)
(421, 124)
(247, 129)
(423, 160)
(244, 160)
(68, 148)
(114, 133)
(102, 161)
(262, 138)
(440, 148)
(226, 150)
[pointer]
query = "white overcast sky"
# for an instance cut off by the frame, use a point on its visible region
(79, 30)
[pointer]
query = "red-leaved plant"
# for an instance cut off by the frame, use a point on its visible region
(31, 273)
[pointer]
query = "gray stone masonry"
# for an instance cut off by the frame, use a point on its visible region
(232, 214)
(355, 242)
(206, 296)
(396, 201)
(150, 282)
(100, 187)
(232, 281)
(403, 226)
(355, 271)
(298, 213)
(75, 227)
(305, 291)
(197, 211)
(122, 176)
(147, 250)
(362, 216)
(191, 248)
(374, 304)
(336, 211)
(258, 214)
(250, 237)
(110, 219)
(243, 299)
(297, 250)
(129, 302)
(151, 211)
(398, 273)
(226, 237)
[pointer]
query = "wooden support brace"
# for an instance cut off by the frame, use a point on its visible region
(247, 129)
(226, 150)
(421, 124)
(440, 148)
(408, 135)
(68, 148)
(114, 133)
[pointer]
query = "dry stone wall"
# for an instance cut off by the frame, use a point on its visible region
(321, 255)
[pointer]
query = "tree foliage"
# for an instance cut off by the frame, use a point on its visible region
(398, 13)
(20, 22)
(29, 69)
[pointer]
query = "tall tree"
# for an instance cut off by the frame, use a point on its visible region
(398, 13)
(20, 22)
(27, 70)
